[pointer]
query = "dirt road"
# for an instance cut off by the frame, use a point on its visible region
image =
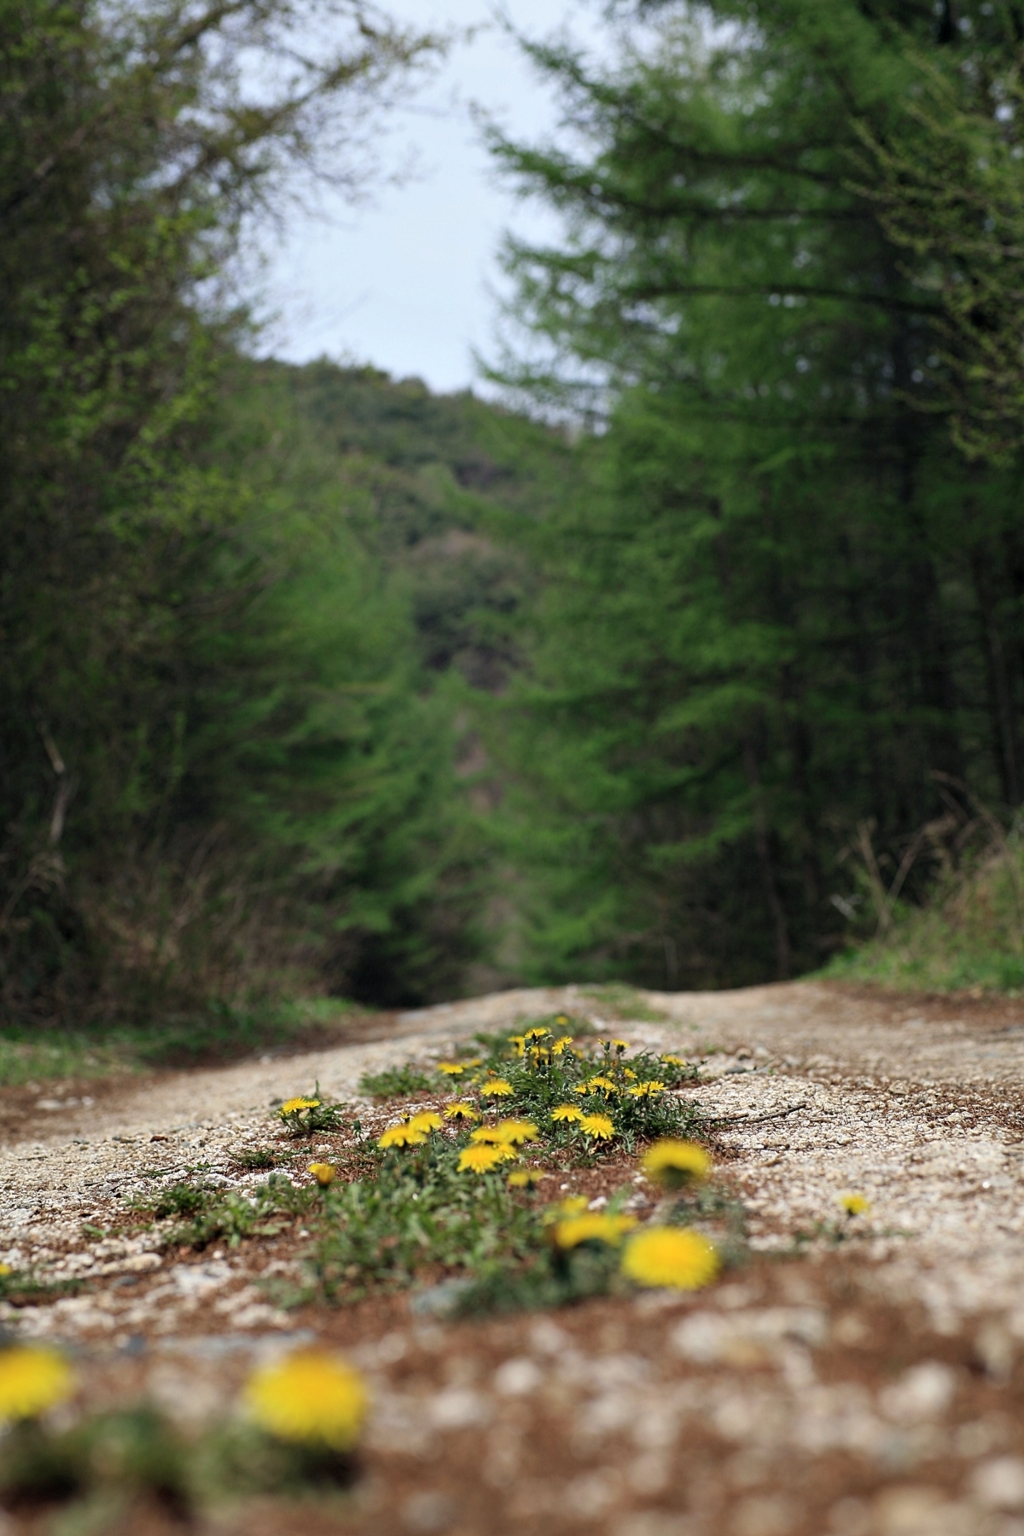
(874, 1386)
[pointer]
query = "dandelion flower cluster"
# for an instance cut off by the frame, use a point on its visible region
(644, 1090)
(497, 1088)
(675, 1163)
(600, 1127)
(482, 1158)
(515, 1131)
(854, 1204)
(596, 1084)
(674, 1061)
(32, 1380)
(309, 1398)
(404, 1134)
(566, 1112)
(674, 1257)
(461, 1111)
(323, 1173)
(592, 1226)
(524, 1178)
(295, 1106)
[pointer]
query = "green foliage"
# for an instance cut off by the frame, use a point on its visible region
(397, 1082)
(599, 1082)
(106, 1462)
(108, 1468)
(419, 1211)
(256, 1159)
(969, 935)
(222, 761)
(945, 178)
(213, 1215)
(785, 605)
(182, 1200)
(214, 1032)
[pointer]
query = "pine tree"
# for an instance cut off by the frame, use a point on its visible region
(789, 601)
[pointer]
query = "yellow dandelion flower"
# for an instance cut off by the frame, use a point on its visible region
(451, 1068)
(560, 1044)
(323, 1173)
(519, 1041)
(537, 1033)
(461, 1111)
(484, 1159)
(561, 1018)
(675, 1163)
(566, 1112)
(497, 1088)
(592, 1226)
(572, 1205)
(628, 1072)
(427, 1120)
(402, 1135)
(596, 1084)
(515, 1131)
(673, 1061)
(675, 1257)
(291, 1106)
(32, 1380)
(476, 1062)
(616, 1045)
(644, 1090)
(598, 1126)
(5, 1269)
(310, 1398)
(854, 1204)
(525, 1178)
(486, 1135)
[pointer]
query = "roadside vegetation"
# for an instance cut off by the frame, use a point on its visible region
(969, 936)
(455, 1185)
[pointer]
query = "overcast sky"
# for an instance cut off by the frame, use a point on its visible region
(407, 282)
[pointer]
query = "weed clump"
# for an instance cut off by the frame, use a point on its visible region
(453, 1187)
(257, 1159)
(396, 1082)
(306, 1116)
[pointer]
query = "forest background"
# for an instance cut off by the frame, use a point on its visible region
(696, 662)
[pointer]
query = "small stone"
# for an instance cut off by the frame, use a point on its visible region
(850, 1517)
(923, 1392)
(995, 1351)
(428, 1512)
(515, 1378)
(140, 1263)
(921, 1511)
(459, 1408)
(999, 1484)
(763, 1517)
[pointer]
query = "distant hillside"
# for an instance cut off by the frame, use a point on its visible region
(425, 481)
